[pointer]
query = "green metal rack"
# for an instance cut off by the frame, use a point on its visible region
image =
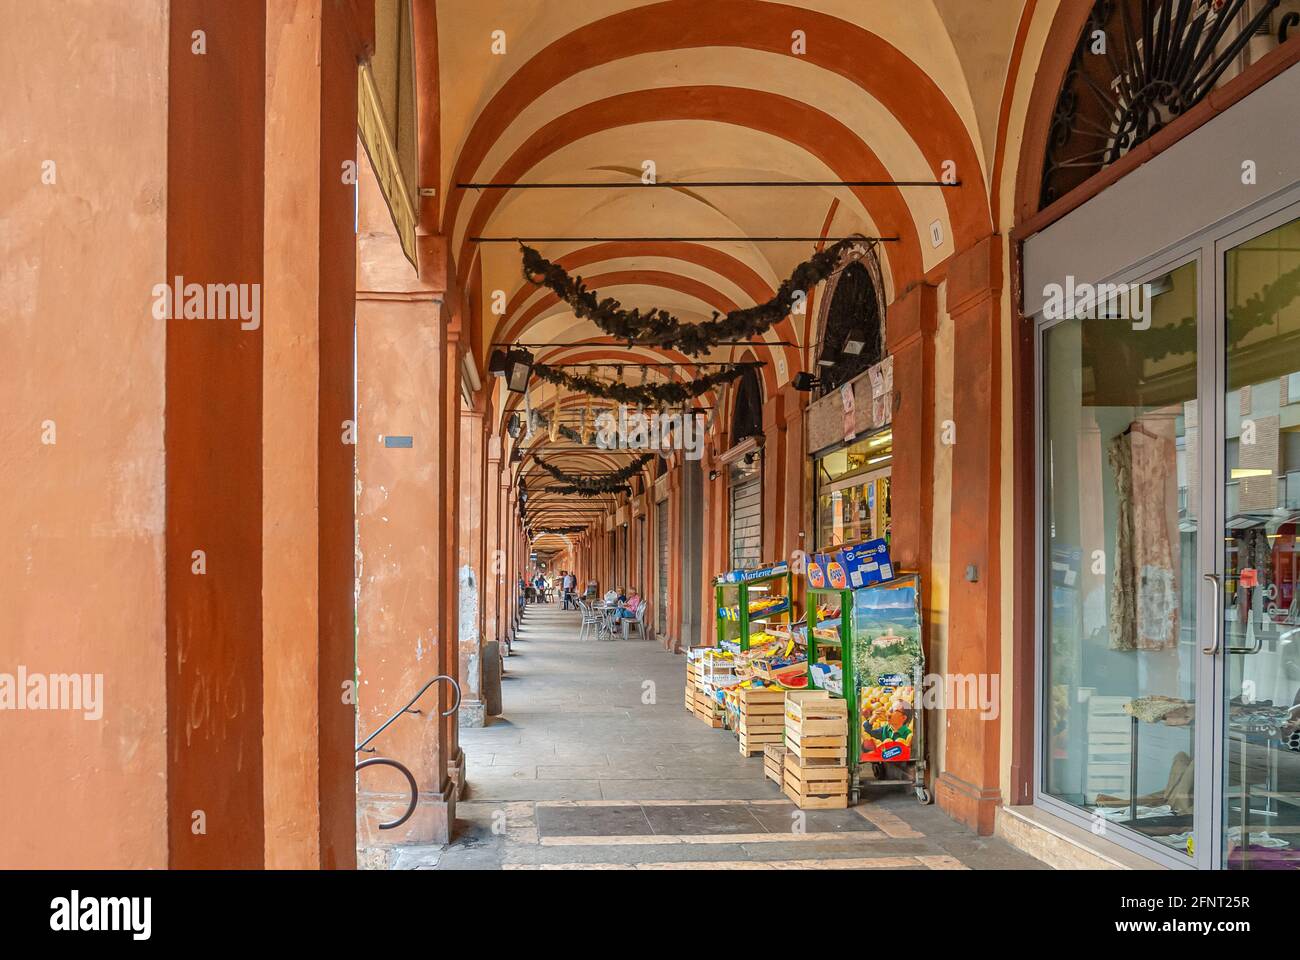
(738, 595)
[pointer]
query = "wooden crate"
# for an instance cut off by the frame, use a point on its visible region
(816, 786)
(707, 709)
(690, 697)
(774, 763)
(762, 719)
(810, 706)
(816, 726)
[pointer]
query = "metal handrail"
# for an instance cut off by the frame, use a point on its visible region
(385, 761)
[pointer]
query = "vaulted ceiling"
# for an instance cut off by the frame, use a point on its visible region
(559, 91)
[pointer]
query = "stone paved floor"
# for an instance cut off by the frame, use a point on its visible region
(596, 764)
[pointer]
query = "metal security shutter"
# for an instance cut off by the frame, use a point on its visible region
(746, 522)
(661, 610)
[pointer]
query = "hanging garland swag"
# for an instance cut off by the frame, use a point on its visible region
(660, 328)
(645, 394)
(590, 488)
(617, 479)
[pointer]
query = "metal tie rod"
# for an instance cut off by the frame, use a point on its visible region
(680, 239)
(691, 184)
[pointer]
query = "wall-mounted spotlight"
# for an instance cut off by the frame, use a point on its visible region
(497, 363)
(854, 347)
(713, 474)
(519, 367)
(514, 426)
(517, 455)
(804, 381)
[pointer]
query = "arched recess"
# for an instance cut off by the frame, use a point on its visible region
(746, 407)
(851, 321)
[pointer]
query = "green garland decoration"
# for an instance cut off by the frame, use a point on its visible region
(645, 394)
(660, 328)
(618, 478)
(589, 489)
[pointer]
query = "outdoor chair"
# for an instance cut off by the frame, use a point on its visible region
(590, 618)
(636, 623)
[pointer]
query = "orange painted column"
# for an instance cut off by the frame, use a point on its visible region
(671, 618)
(508, 606)
(495, 573)
(774, 475)
(969, 788)
(470, 568)
(404, 510)
(797, 480)
(450, 472)
(716, 547)
(215, 211)
(913, 318)
(307, 439)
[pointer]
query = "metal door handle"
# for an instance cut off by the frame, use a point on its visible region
(1259, 642)
(1213, 580)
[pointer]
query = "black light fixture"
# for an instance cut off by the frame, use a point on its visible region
(713, 474)
(497, 363)
(804, 381)
(519, 367)
(517, 454)
(513, 426)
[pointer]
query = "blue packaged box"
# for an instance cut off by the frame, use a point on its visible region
(866, 563)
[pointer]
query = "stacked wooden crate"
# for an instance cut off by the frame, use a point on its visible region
(692, 684)
(774, 763)
(762, 718)
(817, 742)
(707, 708)
(714, 669)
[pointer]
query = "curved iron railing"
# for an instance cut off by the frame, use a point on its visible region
(401, 768)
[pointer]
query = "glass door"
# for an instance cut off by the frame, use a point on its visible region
(1257, 586)
(1121, 502)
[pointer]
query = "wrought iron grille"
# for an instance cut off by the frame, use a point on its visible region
(1139, 65)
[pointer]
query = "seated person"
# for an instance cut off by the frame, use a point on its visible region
(613, 596)
(628, 610)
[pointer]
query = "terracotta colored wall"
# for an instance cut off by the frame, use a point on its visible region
(214, 468)
(83, 518)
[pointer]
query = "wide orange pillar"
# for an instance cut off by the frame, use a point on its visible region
(405, 511)
(969, 788)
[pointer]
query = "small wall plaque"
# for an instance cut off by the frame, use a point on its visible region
(399, 441)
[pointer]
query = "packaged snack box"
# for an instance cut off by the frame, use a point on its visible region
(817, 570)
(866, 563)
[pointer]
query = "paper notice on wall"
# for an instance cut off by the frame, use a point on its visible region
(850, 417)
(880, 412)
